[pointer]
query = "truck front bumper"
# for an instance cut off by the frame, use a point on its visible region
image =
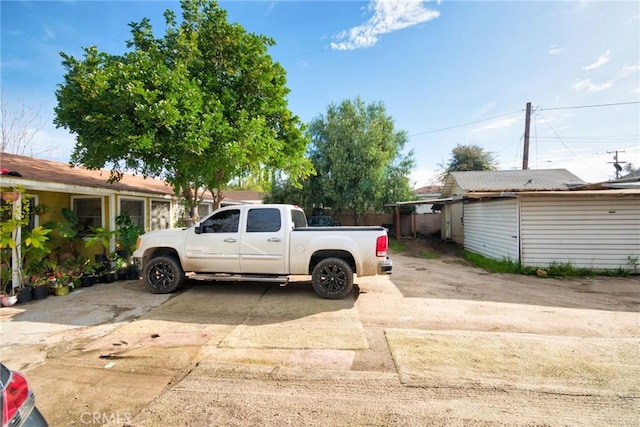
(385, 267)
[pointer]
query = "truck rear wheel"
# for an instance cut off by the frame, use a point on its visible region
(332, 278)
(163, 275)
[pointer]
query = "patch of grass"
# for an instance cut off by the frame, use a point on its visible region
(396, 246)
(496, 266)
(555, 269)
(429, 255)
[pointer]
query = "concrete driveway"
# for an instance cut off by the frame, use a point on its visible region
(437, 343)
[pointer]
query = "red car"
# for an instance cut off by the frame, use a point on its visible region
(17, 402)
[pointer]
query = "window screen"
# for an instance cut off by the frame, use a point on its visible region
(160, 215)
(89, 211)
(135, 209)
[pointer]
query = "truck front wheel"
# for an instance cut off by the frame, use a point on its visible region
(163, 275)
(332, 278)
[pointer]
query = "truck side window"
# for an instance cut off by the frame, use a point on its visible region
(222, 222)
(263, 220)
(298, 219)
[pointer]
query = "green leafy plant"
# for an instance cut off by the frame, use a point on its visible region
(127, 232)
(31, 246)
(70, 230)
(102, 236)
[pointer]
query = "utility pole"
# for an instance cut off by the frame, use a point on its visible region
(616, 163)
(525, 150)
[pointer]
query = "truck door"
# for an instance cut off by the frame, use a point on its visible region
(216, 249)
(262, 250)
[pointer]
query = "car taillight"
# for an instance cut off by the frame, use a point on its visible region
(14, 395)
(381, 246)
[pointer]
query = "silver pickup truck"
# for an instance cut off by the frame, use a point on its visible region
(262, 243)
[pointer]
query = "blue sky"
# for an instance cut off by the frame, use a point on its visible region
(448, 72)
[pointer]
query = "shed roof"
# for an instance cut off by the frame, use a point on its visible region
(511, 180)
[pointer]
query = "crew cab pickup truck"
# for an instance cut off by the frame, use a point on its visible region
(266, 243)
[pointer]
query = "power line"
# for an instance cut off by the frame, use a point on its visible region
(593, 138)
(565, 145)
(590, 106)
(465, 124)
(520, 111)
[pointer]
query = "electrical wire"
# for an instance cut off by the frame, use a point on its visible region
(465, 124)
(589, 106)
(565, 145)
(520, 111)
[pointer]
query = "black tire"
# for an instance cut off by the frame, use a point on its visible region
(163, 275)
(332, 278)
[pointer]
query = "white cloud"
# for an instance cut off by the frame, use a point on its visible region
(589, 86)
(586, 84)
(555, 50)
(628, 70)
(388, 16)
(598, 62)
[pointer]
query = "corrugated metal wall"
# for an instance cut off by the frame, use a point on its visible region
(598, 232)
(491, 228)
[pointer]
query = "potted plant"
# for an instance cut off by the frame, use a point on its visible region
(40, 209)
(70, 231)
(19, 255)
(127, 233)
(102, 236)
(74, 268)
(8, 299)
(88, 277)
(121, 268)
(39, 286)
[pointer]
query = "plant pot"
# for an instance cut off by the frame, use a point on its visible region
(122, 253)
(25, 294)
(61, 290)
(122, 275)
(40, 292)
(10, 196)
(8, 300)
(108, 277)
(87, 280)
(133, 273)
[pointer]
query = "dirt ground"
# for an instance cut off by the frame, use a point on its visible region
(439, 342)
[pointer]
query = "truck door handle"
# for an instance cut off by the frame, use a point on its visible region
(230, 240)
(274, 239)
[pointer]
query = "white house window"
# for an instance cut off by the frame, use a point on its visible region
(89, 211)
(204, 209)
(160, 215)
(135, 209)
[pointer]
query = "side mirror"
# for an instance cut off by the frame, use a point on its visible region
(197, 229)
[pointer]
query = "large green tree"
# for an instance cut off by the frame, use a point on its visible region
(359, 161)
(198, 107)
(468, 158)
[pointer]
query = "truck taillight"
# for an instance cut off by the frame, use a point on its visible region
(381, 246)
(14, 395)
